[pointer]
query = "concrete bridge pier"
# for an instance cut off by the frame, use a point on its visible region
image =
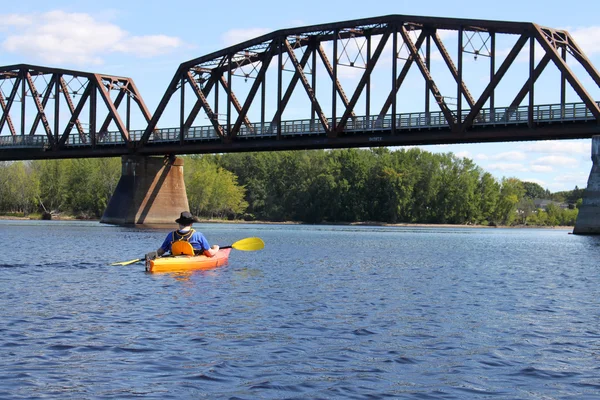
(588, 219)
(151, 191)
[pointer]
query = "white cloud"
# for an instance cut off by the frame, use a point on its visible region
(538, 181)
(514, 167)
(509, 156)
(588, 38)
(60, 37)
(542, 168)
(12, 20)
(558, 147)
(505, 156)
(575, 177)
(148, 46)
(569, 181)
(463, 154)
(556, 161)
(235, 36)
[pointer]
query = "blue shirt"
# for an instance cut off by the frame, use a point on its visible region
(197, 240)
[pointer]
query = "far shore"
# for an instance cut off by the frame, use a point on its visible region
(367, 223)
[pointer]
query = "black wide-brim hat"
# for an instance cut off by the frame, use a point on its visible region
(186, 218)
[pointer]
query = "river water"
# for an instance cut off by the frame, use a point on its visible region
(323, 312)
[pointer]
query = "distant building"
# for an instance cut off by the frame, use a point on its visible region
(543, 203)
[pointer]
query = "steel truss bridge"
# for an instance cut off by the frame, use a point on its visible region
(392, 80)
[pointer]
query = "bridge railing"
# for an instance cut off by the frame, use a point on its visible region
(548, 113)
(35, 141)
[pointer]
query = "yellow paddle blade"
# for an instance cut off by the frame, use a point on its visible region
(249, 244)
(127, 262)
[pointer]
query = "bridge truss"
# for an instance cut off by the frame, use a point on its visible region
(74, 111)
(391, 80)
(244, 91)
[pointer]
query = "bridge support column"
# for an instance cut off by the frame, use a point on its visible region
(151, 191)
(588, 219)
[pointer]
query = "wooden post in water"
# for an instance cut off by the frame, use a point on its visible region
(588, 219)
(151, 191)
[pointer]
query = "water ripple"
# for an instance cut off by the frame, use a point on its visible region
(321, 312)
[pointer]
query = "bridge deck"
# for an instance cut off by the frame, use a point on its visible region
(543, 114)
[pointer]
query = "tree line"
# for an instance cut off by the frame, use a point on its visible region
(316, 186)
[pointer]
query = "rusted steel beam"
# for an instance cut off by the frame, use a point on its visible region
(531, 81)
(11, 99)
(564, 41)
(6, 116)
(550, 48)
(57, 87)
(491, 134)
(580, 56)
(49, 91)
(41, 114)
(198, 104)
(388, 102)
(74, 120)
(525, 89)
(214, 119)
(300, 73)
(492, 67)
(361, 84)
(512, 55)
(283, 100)
(117, 103)
(336, 82)
(96, 83)
(368, 85)
(235, 102)
(65, 92)
(428, 78)
(331, 131)
(139, 100)
(394, 99)
(171, 89)
(92, 110)
(323, 30)
(453, 70)
(260, 79)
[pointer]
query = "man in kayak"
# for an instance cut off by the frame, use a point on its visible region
(185, 240)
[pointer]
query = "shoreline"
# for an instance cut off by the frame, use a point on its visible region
(366, 223)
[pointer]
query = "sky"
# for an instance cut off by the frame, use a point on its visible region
(147, 40)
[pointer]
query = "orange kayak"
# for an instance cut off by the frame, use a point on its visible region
(188, 263)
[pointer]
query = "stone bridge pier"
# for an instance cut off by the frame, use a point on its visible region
(588, 219)
(151, 191)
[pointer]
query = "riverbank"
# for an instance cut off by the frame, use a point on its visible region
(367, 223)
(408, 225)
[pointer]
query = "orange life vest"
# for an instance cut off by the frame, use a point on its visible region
(180, 244)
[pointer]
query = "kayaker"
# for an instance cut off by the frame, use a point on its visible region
(185, 234)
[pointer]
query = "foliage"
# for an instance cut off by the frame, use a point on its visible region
(535, 191)
(380, 185)
(349, 185)
(19, 187)
(212, 191)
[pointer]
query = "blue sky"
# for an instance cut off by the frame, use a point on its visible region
(147, 40)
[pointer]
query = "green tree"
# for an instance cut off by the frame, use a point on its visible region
(535, 191)
(54, 187)
(19, 187)
(212, 191)
(525, 209)
(511, 193)
(488, 193)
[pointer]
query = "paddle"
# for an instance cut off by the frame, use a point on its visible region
(248, 244)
